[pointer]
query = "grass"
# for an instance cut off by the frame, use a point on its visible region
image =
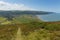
(28, 28)
(38, 35)
(7, 32)
(25, 19)
(2, 18)
(6, 22)
(28, 31)
(42, 34)
(40, 31)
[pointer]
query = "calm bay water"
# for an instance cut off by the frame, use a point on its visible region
(50, 17)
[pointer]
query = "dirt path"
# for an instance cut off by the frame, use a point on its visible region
(18, 36)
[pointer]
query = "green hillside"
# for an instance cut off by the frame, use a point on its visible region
(25, 19)
(30, 31)
(27, 27)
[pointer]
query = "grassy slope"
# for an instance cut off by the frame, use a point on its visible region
(30, 29)
(41, 31)
(4, 21)
(25, 19)
(7, 31)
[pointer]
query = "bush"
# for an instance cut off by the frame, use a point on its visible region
(53, 27)
(38, 35)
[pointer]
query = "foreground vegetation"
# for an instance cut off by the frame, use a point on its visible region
(30, 29)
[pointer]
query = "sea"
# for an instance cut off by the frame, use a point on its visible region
(50, 17)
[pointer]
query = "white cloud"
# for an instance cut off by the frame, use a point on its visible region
(15, 6)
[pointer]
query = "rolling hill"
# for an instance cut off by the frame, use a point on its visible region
(11, 14)
(25, 25)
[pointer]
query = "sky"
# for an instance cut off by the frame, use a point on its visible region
(37, 5)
